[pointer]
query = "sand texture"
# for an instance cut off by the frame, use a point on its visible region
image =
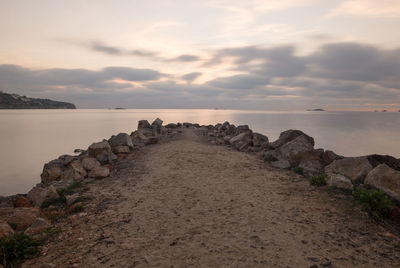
(185, 203)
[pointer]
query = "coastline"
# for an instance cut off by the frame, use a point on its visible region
(106, 162)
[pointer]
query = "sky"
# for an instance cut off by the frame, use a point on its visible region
(230, 54)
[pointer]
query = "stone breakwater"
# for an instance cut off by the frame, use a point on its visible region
(293, 149)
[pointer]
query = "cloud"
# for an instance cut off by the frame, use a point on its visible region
(336, 75)
(191, 76)
(368, 8)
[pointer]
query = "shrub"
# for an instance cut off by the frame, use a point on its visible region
(57, 201)
(318, 180)
(298, 170)
(373, 200)
(70, 189)
(80, 199)
(17, 247)
(78, 208)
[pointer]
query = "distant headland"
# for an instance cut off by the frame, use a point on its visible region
(15, 101)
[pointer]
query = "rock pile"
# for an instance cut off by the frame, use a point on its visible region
(295, 149)
(26, 212)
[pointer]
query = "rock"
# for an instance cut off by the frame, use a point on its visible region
(231, 130)
(339, 181)
(67, 159)
(298, 145)
(219, 141)
(79, 173)
(21, 217)
(143, 124)
(5, 229)
(271, 155)
(245, 136)
(6, 202)
(288, 136)
(38, 195)
(52, 171)
(386, 179)
(148, 132)
(71, 198)
(260, 140)
(38, 225)
(375, 160)
(151, 140)
(186, 124)
(79, 151)
(282, 164)
(242, 128)
(171, 125)
(122, 139)
(90, 163)
(121, 149)
(21, 201)
(329, 156)
(99, 172)
(102, 152)
(138, 137)
(311, 164)
(158, 122)
(354, 168)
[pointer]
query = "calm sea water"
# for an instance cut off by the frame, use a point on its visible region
(30, 138)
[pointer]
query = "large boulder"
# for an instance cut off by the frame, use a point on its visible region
(121, 150)
(386, 179)
(20, 201)
(376, 159)
(75, 172)
(102, 152)
(143, 124)
(271, 155)
(21, 217)
(122, 139)
(310, 162)
(37, 226)
(329, 156)
(242, 141)
(52, 171)
(260, 140)
(298, 145)
(6, 202)
(5, 229)
(282, 164)
(90, 163)
(99, 172)
(138, 137)
(354, 168)
(38, 195)
(157, 122)
(242, 128)
(339, 181)
(288, 136)
(151, 140)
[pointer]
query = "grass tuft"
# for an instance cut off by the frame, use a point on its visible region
(373, 200)
(318, 180)
(17, 247)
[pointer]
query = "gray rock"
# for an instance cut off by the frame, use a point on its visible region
(298, 145)
(38, 195)
(329, 156)
(99, 172)
(148, 132)
(311, 166)
(90, 163)
(121, 150)
(143, 124)
(271, 155)
(386, 179)
(260, 140)
(245, 136)
(339, 181)
(52, 171)
(171, 125)
(101, 151)
(241, 129)
(39, 225)
(288, 136)
(122, 139)
(158, 122)
(376, 159)
(71, 198)
(231, 130)
(62, 184)
(355, 168)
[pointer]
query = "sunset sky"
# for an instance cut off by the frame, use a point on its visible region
(254, 54)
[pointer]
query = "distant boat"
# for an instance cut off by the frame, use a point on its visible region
(384, 111)
(316, 110)
(118, 108)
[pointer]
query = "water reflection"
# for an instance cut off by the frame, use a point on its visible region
(29, 138)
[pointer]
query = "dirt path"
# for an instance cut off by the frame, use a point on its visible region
(186, 203)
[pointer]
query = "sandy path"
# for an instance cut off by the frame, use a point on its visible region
(186, 203)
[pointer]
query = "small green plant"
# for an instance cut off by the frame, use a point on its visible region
(373, 200)
(298, 170)
(17, 247)
(61, 200)
(78, 208)
(318, 180)
(80, 199)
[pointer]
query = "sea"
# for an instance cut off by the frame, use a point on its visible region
(30, 138)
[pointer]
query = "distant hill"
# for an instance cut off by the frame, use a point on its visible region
(14, 101)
